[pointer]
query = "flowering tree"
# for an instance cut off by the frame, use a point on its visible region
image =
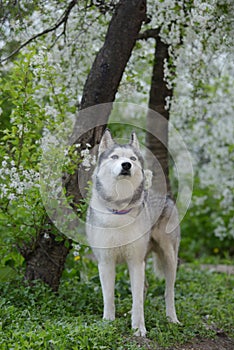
(202, 104)
(47, 256)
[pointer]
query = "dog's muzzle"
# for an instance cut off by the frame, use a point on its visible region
(126, 166)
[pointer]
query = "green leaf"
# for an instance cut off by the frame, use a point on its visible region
(7, 274)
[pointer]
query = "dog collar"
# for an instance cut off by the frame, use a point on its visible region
(119, 212)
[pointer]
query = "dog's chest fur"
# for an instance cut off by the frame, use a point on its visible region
(119, 236)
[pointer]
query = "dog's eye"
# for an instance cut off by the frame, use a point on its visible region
(133, 158)
(114, 156)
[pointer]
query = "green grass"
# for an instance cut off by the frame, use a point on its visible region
(36, 318)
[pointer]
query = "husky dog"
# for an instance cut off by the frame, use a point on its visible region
(124, 224)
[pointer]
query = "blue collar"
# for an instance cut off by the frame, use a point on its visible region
(119, 212)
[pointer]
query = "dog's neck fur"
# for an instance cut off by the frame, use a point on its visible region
(118, 200)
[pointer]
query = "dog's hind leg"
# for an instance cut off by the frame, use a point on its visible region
(137, 276)
(170, 267)
(107, 278)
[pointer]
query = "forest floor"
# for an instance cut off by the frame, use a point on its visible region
(35, 318)
(220, 342)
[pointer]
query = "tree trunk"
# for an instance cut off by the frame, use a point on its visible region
(46, 260)
(157, 123)
(104, 78)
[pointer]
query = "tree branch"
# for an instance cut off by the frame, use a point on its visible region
(63, 19)
(149, 33)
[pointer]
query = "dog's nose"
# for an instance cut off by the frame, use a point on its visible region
(126, 165)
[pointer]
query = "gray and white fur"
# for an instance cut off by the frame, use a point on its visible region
(125, 222)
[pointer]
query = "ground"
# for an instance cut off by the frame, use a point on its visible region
(220, 342)
(33, 317)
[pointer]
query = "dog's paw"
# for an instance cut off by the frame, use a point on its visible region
(109, 317)
(174, 319)
(140, 332)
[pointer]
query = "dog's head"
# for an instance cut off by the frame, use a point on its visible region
(120, 161)
(119, 178)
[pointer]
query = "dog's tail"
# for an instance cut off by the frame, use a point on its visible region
(158, 266)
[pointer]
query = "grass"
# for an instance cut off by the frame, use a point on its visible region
(36, 318)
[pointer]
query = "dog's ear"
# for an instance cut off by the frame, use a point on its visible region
(106, 141)
(134, 141)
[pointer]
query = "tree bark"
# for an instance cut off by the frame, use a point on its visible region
(108, 67)
(46, 259)
(157, 123)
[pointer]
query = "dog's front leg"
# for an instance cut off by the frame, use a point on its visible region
(137, 276)
(107, 278)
